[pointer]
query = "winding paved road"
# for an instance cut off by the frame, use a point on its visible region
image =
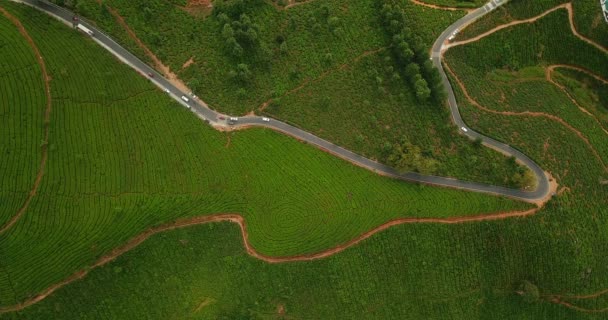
(213, 117)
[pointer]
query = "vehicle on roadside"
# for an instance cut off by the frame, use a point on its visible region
(265, 119)
(85, 30)
(185, 99)
(464, 129)
(167, 90)
(150, 74)
(234, 119)
(221, 118)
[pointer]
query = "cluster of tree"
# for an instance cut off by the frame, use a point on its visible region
(408, 157)
(321, 18)
(241, 37)
(239, 34)
(411, 55)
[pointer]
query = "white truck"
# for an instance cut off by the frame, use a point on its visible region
(85, 30)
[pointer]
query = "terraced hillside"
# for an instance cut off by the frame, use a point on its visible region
(547, 266)
(328, 67)
(123, 157)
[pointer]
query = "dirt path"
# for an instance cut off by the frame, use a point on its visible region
(438, 7)
(47, 119)
(526, 114)
(240, 221)
(323, 75)
(548, 75)
(166, 71)
(567, 6)
(561, 299)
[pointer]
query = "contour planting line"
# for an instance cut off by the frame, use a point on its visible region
(240, 221)
(439, 7)
(566, 6)
(527, 114)
(548, 74)
(47, 119)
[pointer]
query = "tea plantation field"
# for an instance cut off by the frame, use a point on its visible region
(514, 71)
(123, 157)
(324, 66)
(22, 102)
(587, 17)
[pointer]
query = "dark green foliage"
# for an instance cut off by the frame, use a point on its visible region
(411, 55)
(407, 157)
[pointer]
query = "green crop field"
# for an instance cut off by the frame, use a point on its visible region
(324, 66)
(588, 17)
(22, 103)
(123, 157)
(456, 3)
(514, 72)
(589, 92)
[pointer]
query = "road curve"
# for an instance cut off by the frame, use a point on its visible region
(214, 118)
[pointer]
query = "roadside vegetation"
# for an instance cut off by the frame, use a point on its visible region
(329, 67)
(123, 157)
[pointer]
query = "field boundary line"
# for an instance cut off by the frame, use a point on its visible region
(47, 119)
(566, 6)
(526, 114)
(575, 307)
(548, 74)
(439, 7)
(240, 221)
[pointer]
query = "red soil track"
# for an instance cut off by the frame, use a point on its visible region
(548, 75)
(566, 6)
(47, 119)
(527, 114)
(438, 7)
(240, 221)
(172, 77)
(559, 299)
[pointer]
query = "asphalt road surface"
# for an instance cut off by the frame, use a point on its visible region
(214, 118)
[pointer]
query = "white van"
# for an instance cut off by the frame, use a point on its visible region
(185, 99)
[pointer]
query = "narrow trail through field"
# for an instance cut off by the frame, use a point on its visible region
(47, 119)
(562, 299)
(526, 114)
(323, 75)
(172, 77)
(548, 75)
(439, 7)
(240, 221)
(566, 6)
